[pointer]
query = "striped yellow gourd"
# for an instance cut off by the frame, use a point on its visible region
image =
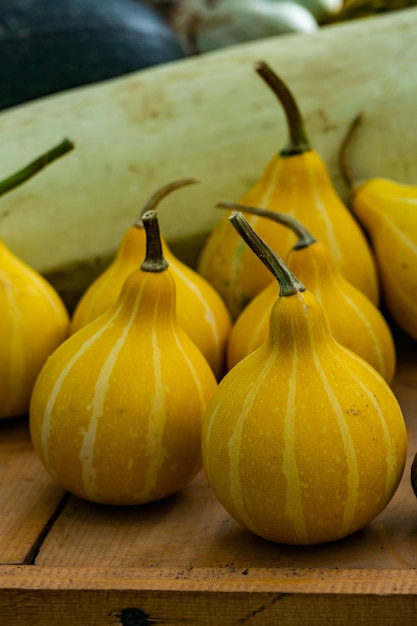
(387, 211)
(33, 322)
(115, 415)
(354, 320)
(200, 309)
(33, 318)
(295, 181)
(303, 441)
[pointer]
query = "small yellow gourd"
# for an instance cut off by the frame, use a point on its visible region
(200, 308)
(354, 320)
(387, 210)
(33, 318)
(303, 441)
(295, 181)
(115, 415)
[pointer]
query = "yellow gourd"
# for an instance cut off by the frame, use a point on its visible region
(33, 318)
(354, 320)
(295, 181)
(200, 309)
(387, 211)
(303, 441)
(115, 415)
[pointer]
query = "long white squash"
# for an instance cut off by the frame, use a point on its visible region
(207, 117)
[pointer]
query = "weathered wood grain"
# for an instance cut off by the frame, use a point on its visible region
(44, 596)
(28, 498)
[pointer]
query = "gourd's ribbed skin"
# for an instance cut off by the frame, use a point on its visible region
(354, 320)
(388, 212)
(33, 322)
(200, 309)
(303, 442)
(298, 185)
(115, 416)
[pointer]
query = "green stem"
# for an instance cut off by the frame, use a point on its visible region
(35, 166)
(298, 142)
(344, 165)
(154, 258)
(304, 237)
(289, 284)
(161, 193)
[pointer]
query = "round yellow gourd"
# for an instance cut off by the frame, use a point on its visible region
(200, 309)
(115, 415)
(303, 441)
(354, 320)
(33, 322)
(295, 181)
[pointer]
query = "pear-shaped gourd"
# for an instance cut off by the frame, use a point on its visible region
(295, 181)
(115, 415)
(200, 308)
(387, 211)
(354, 320)
(303, 441)
(33, 318)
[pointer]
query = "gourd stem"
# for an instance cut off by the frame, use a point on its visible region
(35, 166)
(154, 258)
(299, 142)
(159, 194)
(304, 237)
(289, 284)
(344, 165)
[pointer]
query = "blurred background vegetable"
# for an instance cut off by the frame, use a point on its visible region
(48, 46)
(204, 25)
(353, 9)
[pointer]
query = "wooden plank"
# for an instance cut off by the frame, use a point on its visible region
(228, 579)
(201, 597)
(193, 530)
(126, 608)
(28, 497)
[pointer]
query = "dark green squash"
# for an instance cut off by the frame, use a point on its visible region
(47, 46)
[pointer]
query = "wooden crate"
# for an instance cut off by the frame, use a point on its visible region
(67, 562)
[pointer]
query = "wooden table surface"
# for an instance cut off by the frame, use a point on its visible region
(64, 561)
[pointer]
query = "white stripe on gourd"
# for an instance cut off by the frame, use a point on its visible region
(212, 326)
(56, 389)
